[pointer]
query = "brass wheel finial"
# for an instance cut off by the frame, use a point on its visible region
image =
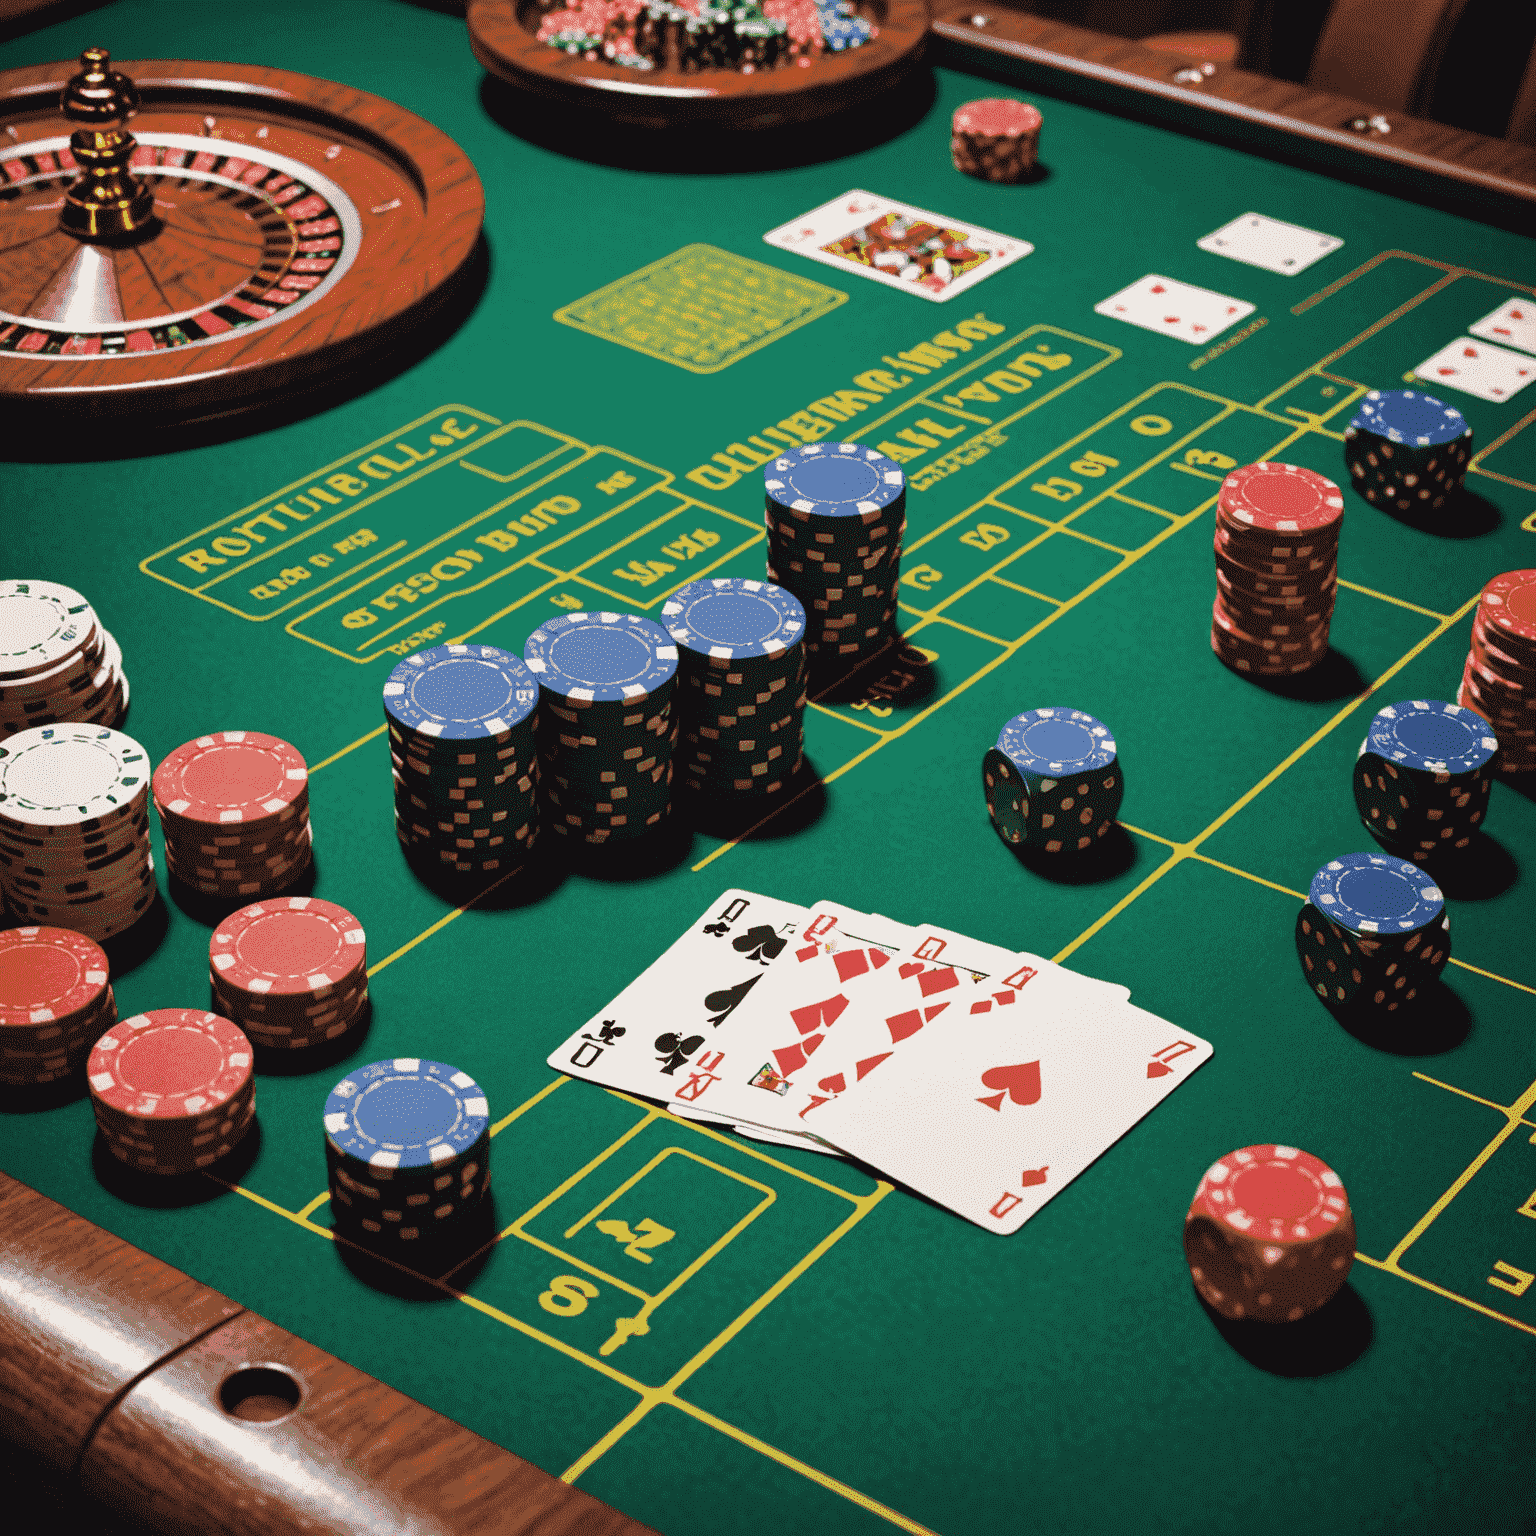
(105, 200)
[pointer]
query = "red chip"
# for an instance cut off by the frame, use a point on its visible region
(169, 1064)
(288, 945)
(1509, 605)
(233, 776)
(47, 974)
(1281, 498)
(997, 116)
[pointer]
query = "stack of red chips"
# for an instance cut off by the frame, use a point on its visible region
(1277, 552)
(1499, 679)
(55, 1001)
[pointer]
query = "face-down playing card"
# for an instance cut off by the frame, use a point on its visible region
(648, 1034)
(898, 245)
(992, 1119)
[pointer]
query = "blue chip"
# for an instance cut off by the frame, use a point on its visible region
(1431, 736)
(834, 480)
(730, 617)
(460, 692)
(1375, 893)
(1407, 416)
(1057, 742)
(406, 1113)
(601, 658)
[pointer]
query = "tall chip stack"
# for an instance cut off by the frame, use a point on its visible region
(995, 139)
(836, 514)
(1499, 678)
(407, 1150)
(741, 695)
(1423, 777)
(1053, 781)
(1373, 935)
(1277, 552)
(292, 971)
(1407, 451)
(55, 1002)
(464, 754)
(234, 807)
(74, 829)
(608, 723)
(173, 1090)
(57, 662)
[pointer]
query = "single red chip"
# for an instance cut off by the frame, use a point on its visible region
(169, 1064)
(234, 776)
(997, 116)
(292, 944)
(48, 973)
(1281, 498)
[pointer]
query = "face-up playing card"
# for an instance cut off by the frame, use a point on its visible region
(1270, 243)
(898, 245)
(1512, 324)
(1176, 309)
(647, 1035)
(1479, 368)
(869, 928)
(993, 1119)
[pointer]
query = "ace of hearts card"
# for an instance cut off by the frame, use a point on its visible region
(901, 246)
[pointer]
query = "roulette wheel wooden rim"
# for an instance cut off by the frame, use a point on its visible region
(400, 274)
(502, 34)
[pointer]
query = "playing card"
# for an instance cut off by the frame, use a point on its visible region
(1479, 368)
(1176, 309)
(1514, 324)
(646, 1036)
(1270, 243)
(994, 1118)
(898, 245)
(870, 928)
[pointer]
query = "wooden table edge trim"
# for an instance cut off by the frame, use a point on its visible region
(1070, 51)
(563, 1501)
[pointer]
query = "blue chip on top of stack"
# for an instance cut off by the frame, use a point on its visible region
(1053, 781)
(407, 1151)
(462, 722)
(1423, 777)
(1407, 451)
(1374, 934)
(607, 724)
(836, 513)
(741, 659)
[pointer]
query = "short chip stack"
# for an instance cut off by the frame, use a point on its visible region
(995, 139)
(1499, 679)
(57, 662)
(173, 1089)
(234, 807)
(464, 751)
(407, 1149)
(55, 1001)
(836, 513)
(1423, 777)
(1053, 781)
(741, 699)
(1269, 1236)
(608, 723)
(291, 971)
(1374, 934)
(1277, 550)
(74, 829)
(1407, 451)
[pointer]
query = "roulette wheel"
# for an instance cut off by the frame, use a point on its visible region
(255, 233)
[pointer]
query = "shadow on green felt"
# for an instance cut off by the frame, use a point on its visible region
(1113, 855)
(164, 1192)
(1436, 1021)
(1330, 1339)
(1469, 516)
(1334, 678)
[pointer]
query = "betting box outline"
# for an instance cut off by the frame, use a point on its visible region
(1296, 421)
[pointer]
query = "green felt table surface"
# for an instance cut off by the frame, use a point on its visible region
(857, 1358)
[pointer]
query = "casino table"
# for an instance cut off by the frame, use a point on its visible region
(826, 1352)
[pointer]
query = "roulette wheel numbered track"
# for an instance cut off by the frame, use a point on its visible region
(297, 225)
